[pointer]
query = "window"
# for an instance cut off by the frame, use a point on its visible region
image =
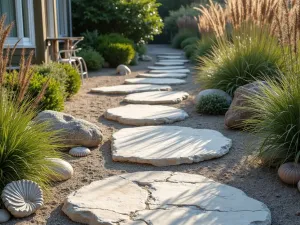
(63, 17)
(21, 13)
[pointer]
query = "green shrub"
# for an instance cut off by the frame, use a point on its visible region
(203, 47)
(117, 54)
(181, 36)
(189, 41)
(212, 105)
(136, 19)
(90, 39)
(25, 146)
(73, 79)
(53, 99)
(141, 49)
(250, 54)
(105, 40)
(189, 50)
(93, 59)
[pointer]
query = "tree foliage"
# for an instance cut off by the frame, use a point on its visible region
(137, 19)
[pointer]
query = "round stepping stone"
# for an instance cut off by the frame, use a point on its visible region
(163, 75)
(163, 198)
(165, 67)
(170, 57)
(128, 89)
(140, 115)
(171, 71)
(157, 97)
(167, 81)
(168, 145)
(169, 63)
(174, 60)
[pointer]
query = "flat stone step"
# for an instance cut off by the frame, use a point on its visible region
(141, 115)
(168, 145)
(128, 89)
(166, 81)
(166, 67)
(171, 54)
(170, 71)
(163, 198)
(174, 60)
(169, 63)
(157, 97)
(163, 75)
(170, 57)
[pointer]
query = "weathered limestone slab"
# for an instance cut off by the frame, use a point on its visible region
(153, 198)
(166, 67)
(171, 54)
(157, 97)
(140, 115)
(127, 89)
(171, 71)
(171, 57)
(174, 60)
(165, 81)
(169, 64)
(163, 75)
(168, 145)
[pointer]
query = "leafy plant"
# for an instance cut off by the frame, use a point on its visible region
(117, 54)
(141, 49)
(137, 19)
(90, 39)
(189, 50)
(249, 54)
(212, 104)
(25, 146)
(189, 41)
(204, 47)
(181, 36)
(93, 59)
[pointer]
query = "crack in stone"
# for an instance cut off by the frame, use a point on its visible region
(124, 214)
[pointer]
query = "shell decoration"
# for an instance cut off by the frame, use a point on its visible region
(80, 152)
(289, 173)
(4, 216)
(62, 168)
(22, 198)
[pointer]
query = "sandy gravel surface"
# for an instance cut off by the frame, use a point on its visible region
(236, 168)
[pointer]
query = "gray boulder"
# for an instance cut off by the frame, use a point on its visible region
(75, 132)
(236, 115)
(213, 92)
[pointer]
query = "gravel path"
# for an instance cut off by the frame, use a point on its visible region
(238, 168)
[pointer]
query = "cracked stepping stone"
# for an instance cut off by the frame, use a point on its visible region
(157, 97)
(128, 89)
(163, 75)
(163, 198)
(168, 145)
(166, 81)
(169, 64)
(171, 57)
(174, 60)
(171, 71)
(140, 115)
(166, 67)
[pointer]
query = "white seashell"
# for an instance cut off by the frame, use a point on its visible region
(62, 168)
(22, 198)
(79, 152)
(4, 216)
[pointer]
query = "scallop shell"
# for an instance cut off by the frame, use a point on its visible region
(289, 173)
(62, 168)
(22, 198)
(4, 216)
(79, 152)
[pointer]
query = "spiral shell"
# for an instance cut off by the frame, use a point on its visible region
(62, 168)
(22, 198)
(289, 173)
(79, 152)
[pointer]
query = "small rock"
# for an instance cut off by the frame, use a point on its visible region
(123, 70)
(63, 169)
(80, 152)
(73, 131)
(4, 216)
(146, 58)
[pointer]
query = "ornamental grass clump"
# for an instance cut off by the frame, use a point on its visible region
(25, 145)
(249, 53)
